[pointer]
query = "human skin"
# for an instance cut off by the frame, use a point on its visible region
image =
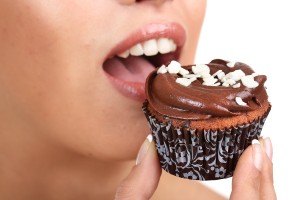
(65, 131)
(51, 70)
(60, 116)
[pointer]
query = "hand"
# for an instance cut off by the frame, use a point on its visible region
(253, 177)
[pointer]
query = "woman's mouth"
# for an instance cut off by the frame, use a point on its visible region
(129, 63)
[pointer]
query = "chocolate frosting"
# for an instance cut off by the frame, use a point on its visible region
(198, 101)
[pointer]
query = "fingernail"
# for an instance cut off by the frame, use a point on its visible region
(257, 154)
(268, 148)
(144, 149)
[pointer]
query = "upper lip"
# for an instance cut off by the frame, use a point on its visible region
(172, 31)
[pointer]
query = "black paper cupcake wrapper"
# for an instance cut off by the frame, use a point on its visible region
(201, 154)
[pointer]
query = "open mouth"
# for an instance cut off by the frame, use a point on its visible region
(130, 63)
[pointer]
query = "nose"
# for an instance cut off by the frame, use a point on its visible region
(130, 2)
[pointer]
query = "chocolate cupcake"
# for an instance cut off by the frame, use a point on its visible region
(204, 116)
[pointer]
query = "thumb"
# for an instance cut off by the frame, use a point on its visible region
(144, 176)
(253, 176)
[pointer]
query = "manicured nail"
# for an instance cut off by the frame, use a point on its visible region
(257, 154)
(144, 149)
(268, 148)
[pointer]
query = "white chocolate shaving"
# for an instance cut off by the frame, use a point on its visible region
(183, 71)
(203, 71)
(174, 67)
(235, 75)
(236, 85)
(225, 84)
(218, 72)
(162, 70)
(217, 84)
(192, 76)
(240, 101)
(184, 81)
(231, 64)
(249, 81)
(210, 81)
(221, 75)
(192, 79)
(231, 81)
(205, 75)
(200, 69)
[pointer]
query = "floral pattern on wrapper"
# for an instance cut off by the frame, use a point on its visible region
(201, 154)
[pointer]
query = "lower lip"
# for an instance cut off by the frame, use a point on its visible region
(136, 90)
(132, 90)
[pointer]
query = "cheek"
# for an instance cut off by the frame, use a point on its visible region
(53, 82)
(92, 122)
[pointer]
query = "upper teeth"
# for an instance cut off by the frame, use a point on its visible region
(150, 48)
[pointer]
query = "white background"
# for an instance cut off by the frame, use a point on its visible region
(264, 34)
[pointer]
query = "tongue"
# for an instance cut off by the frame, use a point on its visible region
(131, 69)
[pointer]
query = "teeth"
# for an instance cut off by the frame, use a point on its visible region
(136, 50)
(164, 45)
(173, 45)
(151, 48)
(125, 54)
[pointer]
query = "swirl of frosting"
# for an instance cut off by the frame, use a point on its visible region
(198, 101)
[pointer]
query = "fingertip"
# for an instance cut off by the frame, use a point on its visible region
(268, 148)
(151, 160)
(254, 172)
(145, 149)
(245, 182)
(257, 155)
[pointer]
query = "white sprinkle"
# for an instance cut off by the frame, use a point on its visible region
(218, 72)
(231, 64)
(211, 84)
(184, 81)
(240, 101)
(162, 70)
(174, 67)
(200, 69)
(217, 84)
(221, 75)
(236, 85)
(224, 79)
(192, 76)
(206, 75)
(209, 81)
(249, 81)
(207, 84)
(192, 79)
(235, 75)
(183, 71)
(225, 84)
(231, 81)
(239, 73)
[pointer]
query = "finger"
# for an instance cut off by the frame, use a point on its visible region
(144, 177)
(246, 177)
(253, 177)
(267, 190)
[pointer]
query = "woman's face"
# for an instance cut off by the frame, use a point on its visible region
(53, 80)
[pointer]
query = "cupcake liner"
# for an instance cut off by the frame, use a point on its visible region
(201, 154)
